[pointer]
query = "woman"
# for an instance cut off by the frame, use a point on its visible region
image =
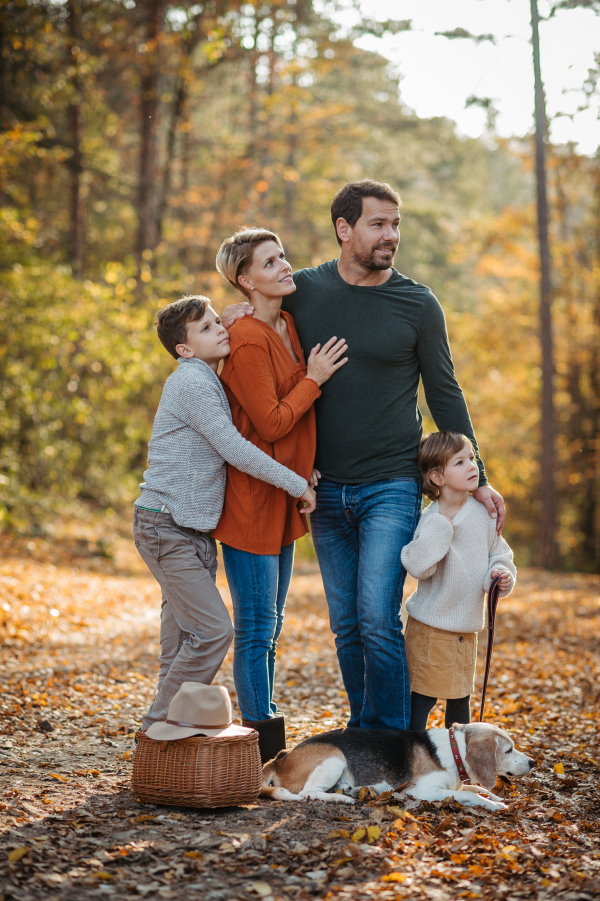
(271, 391)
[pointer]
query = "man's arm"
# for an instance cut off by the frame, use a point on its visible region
(444, 396)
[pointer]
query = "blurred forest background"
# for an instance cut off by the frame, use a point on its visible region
(134, 136)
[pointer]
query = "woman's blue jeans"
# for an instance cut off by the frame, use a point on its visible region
(359, 532)
(259, 585)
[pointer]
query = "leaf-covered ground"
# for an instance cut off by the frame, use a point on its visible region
(78, 668)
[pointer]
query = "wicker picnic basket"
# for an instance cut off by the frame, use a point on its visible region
(197, 771)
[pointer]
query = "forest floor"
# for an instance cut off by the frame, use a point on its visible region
(78, 669)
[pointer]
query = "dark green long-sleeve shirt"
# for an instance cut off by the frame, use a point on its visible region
(368, 422)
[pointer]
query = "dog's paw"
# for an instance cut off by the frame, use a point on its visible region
(489, 804)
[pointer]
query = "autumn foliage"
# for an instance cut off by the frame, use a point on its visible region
(134, 136)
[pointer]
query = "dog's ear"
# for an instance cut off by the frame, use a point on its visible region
(481, 758)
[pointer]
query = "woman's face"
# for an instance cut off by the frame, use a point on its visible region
(269, 274)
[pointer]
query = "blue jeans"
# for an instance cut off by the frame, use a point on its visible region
(259, 585)
(359, 532)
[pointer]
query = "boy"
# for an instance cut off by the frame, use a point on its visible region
(455, 554)
(181, 498)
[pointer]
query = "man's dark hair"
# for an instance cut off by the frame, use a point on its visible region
(171, 322)
(347, 203)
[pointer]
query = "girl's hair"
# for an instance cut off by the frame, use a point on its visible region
(172, 321)
(434, 453)
(235, 253)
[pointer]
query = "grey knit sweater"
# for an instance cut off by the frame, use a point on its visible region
(453, 562)
(192, 439)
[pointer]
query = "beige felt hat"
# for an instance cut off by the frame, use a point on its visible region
(198, 709)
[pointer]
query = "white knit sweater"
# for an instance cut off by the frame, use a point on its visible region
(453, 562)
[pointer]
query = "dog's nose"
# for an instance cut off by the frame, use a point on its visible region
(531, 762)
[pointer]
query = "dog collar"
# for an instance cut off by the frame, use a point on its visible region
(462, 773)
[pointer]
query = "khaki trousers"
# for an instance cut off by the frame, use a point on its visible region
(195, 626)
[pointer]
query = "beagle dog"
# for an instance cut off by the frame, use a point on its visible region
(326, 765)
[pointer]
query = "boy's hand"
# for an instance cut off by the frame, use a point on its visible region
(314, 479)
(494, 504)
(504, 578)
(310, 501)
(236, 311)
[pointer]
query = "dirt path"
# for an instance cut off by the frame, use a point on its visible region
(79, 659)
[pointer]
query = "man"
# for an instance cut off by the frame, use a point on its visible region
(368, 433)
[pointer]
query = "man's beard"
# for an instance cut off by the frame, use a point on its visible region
(371, 261)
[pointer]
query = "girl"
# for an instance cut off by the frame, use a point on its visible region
(455, 554)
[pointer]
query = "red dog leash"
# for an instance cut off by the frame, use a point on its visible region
(492, 604)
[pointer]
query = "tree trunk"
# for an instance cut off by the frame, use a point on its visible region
(146, 234)
(595, 380)
(547, 552)
(180, 93)
(75, 163)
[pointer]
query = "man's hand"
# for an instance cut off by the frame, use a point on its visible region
(314, 479)
(494, 504)
(504, 578)
(236, 311)
(310, 501)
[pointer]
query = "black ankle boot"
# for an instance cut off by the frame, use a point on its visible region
(271, 736)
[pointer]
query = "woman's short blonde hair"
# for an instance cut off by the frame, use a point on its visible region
(235, 253)
(435, 451)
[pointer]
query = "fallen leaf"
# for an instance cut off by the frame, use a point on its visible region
(339, 833)
(260, 888)
(559, 768)
(394, 877)
(18, 853)
(358, 835)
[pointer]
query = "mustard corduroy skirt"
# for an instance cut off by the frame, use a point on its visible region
(440, 664)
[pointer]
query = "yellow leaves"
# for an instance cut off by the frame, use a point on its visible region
(394, 877)
(143, 818)
(373, 833)
(339, 833)
(559, 768)
(370, 834)
(18, 853)
(59, 777)
(397, 811)
(195, 855)
(459, 858)
(476, 870)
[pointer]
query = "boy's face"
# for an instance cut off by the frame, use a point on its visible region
(461, 472)
(206, 340)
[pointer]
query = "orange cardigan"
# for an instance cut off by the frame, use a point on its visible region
(271, 403)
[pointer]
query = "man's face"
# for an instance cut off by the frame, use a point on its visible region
(373, 239)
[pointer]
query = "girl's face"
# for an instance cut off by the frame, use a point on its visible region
(461, 472)
(270, 274)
